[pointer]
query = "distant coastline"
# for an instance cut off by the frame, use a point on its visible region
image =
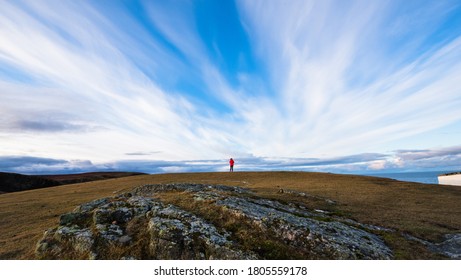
(451, 173)
(425, 177)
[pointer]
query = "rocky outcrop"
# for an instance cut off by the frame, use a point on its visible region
(177, 234)
(142, 224)
(449, 247)
(308, 231)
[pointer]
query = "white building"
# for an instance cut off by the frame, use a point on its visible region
(450, 179)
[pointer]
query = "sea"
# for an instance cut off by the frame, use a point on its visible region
(426, 177)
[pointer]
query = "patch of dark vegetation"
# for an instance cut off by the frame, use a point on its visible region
(13, 182)
(65, 179)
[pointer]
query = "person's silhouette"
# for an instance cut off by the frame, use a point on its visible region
(231, 163)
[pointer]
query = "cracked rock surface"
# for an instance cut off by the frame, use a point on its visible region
(139, 224)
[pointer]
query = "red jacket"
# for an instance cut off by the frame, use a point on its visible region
(231, 162)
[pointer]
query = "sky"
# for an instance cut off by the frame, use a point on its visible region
(179, 86)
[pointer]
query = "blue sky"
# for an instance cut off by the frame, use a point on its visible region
(172, 86)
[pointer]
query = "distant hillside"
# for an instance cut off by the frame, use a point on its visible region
(66, 179)
(13, 182)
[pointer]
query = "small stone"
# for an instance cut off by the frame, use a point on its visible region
(124, 240)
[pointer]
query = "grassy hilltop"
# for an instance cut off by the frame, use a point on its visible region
(426, 212)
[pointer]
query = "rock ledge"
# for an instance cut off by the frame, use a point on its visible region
(141, 224)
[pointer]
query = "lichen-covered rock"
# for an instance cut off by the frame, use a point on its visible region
(147, 190)
(122, 215)
(111, 232)
(140, 205)
(80, 239)
(207, 196)
(101, 222)
(450, 247)
(141, 222)
(177, 234)
(74, 218)
(301, 229)
(102, 216)
(86, 207)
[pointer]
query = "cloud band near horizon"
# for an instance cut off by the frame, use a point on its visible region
(446, 159)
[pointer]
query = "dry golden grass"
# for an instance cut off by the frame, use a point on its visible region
(426, 211)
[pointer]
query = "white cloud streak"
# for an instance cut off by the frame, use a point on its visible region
(312, 49)
(90, 80)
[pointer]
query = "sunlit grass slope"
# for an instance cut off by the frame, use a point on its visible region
(424, 211)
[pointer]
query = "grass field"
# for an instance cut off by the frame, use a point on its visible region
(424, 211)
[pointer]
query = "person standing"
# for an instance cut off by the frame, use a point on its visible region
(231, 163)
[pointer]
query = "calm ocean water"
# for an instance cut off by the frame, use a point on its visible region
(427, 177)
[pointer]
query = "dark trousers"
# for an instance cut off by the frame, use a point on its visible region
(231, 168)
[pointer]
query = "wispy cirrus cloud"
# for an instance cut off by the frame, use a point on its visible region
(343, 79)
(307, 83)
(91, 76)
